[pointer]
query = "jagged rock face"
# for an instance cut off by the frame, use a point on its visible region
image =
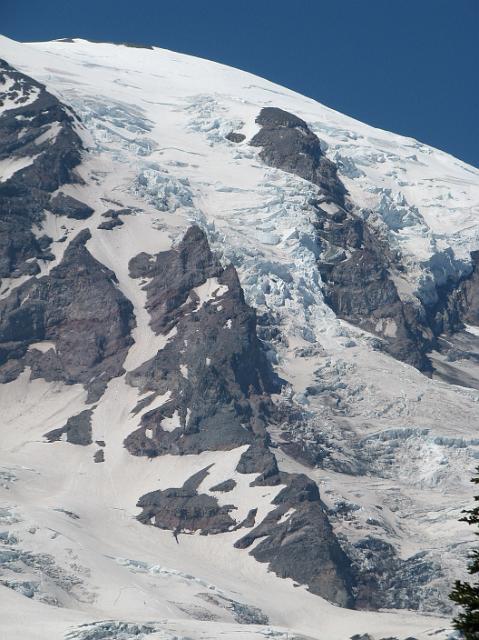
(288, 144)
(173, 274)
(184, 509)
(78, 308)
(225, 486)
(357, 266)
(469, 293)
(385, 580)
(356, 269)
(354, 263)
(213, 366)
(62, 204)
(219, 383)
(298, 542)
(259, 459)
(77, 429)
(39, 139)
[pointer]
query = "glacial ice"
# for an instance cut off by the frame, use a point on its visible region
(206, 117)
(116, 124)
(117, 630)
(162, 190)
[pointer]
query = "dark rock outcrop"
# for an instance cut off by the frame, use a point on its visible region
(356, 267)
(225, 486)
(63, 205)
(172, 277)
(77, 430)
(259, 459)
(250, 519)
(470, 292)
(288, 144)
(38, 132)
(114, 213)
(113, 218)
(99, 456)
(384, 580)
(359, 269)
(220, 384)
(80, 309)
(235, 137)
(109, 225)
(298, 542)
(214, 367)
(185, 510)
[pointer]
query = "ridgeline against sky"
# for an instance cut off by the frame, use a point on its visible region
(408, 67)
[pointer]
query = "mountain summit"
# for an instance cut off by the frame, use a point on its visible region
(239, 370)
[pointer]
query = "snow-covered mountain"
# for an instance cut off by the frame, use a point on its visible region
(239, 338)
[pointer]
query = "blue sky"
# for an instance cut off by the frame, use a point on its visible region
(410, 66)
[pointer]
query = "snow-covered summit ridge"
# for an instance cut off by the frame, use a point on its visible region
(426, 199)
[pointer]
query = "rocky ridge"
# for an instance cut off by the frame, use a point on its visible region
(40, 141)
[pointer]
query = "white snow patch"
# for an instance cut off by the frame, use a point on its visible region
(210, 290)
(12, 101)
(170, 424)
(43, 346)
(286, 516)
(50, 134)
(472, 329)
(10, 166)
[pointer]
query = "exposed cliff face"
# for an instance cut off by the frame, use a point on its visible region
(220, 383)
(358, 268)
(213, 366)
(77, 307)
(73, 325)
(389, 581)
(77, 430)
(471, 295)
(298, 542)
(184, 509)
(41, 144)
(287, 143)
(171, 277)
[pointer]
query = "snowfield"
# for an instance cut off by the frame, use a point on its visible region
(74, 562)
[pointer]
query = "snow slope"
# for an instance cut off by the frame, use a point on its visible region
(155, 123)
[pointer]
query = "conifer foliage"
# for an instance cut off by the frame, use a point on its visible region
(466, 594)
